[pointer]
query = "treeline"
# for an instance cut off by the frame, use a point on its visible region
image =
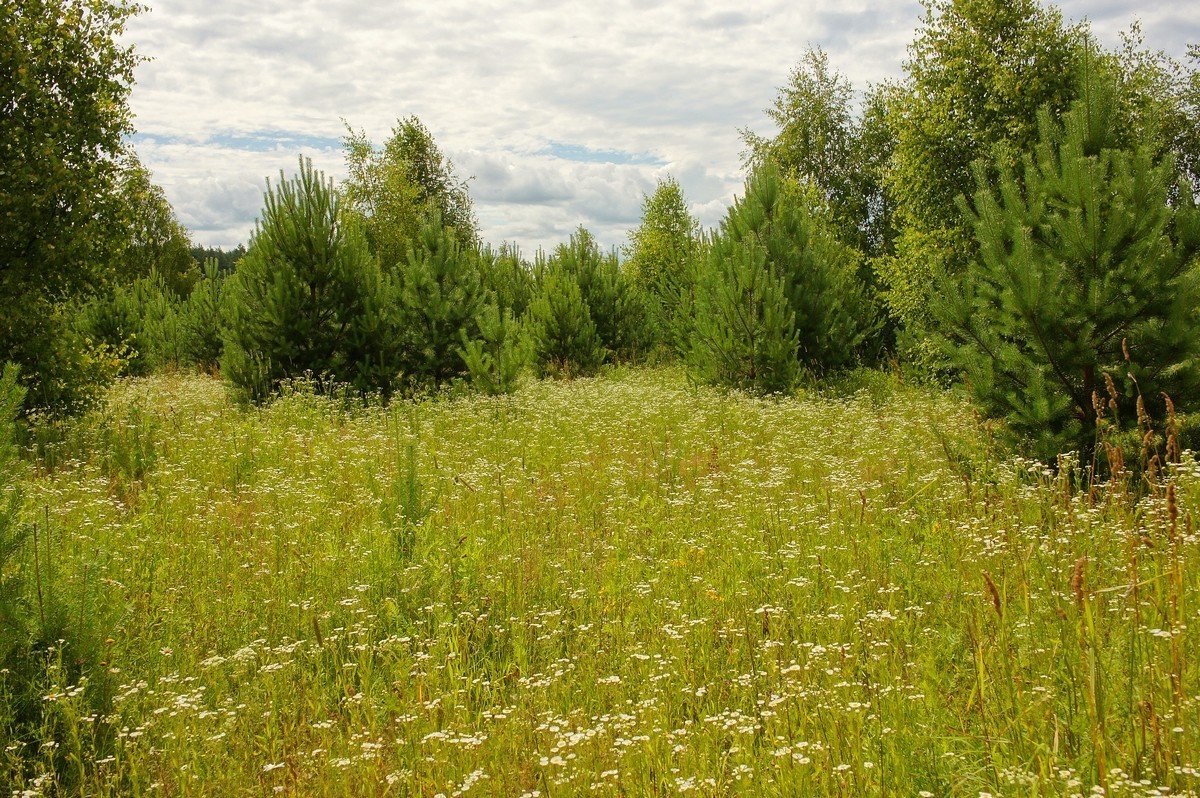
(1017, 210)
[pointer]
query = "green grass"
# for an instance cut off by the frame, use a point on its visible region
(621, 586)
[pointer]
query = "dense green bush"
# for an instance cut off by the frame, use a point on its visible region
(72, 370)
(562, 337)
(1085, 294)
(438, 294)
(306, 297)
(201, 319)
(829, 322)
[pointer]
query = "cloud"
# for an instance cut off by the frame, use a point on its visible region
(563, 114)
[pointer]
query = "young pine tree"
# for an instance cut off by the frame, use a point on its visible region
(507, 277)
(439, 294)
(201, 321)
(495, 357)
(302, 292)
(744, 334)
(137, 318)
(831, 320)
(1086, 273)
(661, 259)
(562, 337)
(616, 306)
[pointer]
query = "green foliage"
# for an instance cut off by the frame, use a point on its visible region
(978, 71)
(72, 369)
(507, 277)
(824, 142)
(304, 296)
(662, 257)
(64, 84)
(495, 358)
(438, 295)
(155, 241)
(563, 340)
(1086, 273)
(1158, 102)
(402, 185)
(830, 321)
(226, 259)
(139, 319)
(745, 330)
(615, 304)
(65, 78)
(201, 320)
(13, 621)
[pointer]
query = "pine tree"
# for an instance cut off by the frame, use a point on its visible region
(507, 277)
(1086, 273)
(301, 293)
(744, 334)
(562, 337)
(201, 318)
(138, 319)
(495, 357)
(662, 256)
(615, 305)
(831, 321)
(439, 294)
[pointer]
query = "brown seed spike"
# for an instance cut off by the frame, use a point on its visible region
(1172, 509)
(1125, 349)
(1111, 386)
(995, 592)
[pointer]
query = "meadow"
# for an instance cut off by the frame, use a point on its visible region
(619, 586)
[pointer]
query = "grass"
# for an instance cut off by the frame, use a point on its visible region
(620, 586)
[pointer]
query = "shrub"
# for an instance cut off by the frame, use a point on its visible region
(303, 294)
(562, 337)
(438, 295)
(811, 298)
(1086, 287)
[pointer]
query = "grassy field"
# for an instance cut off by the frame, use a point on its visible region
(615, 587)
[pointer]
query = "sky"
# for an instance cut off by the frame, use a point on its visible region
(560, 114)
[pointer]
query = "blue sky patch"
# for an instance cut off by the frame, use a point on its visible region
(578, 152)
(249, 141)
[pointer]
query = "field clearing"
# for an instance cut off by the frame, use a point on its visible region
(620, 586)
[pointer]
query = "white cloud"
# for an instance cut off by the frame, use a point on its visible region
(503, 86)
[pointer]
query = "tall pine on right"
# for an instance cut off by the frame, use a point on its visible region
(1087, 272)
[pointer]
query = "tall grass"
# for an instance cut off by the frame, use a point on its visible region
(620, 586)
